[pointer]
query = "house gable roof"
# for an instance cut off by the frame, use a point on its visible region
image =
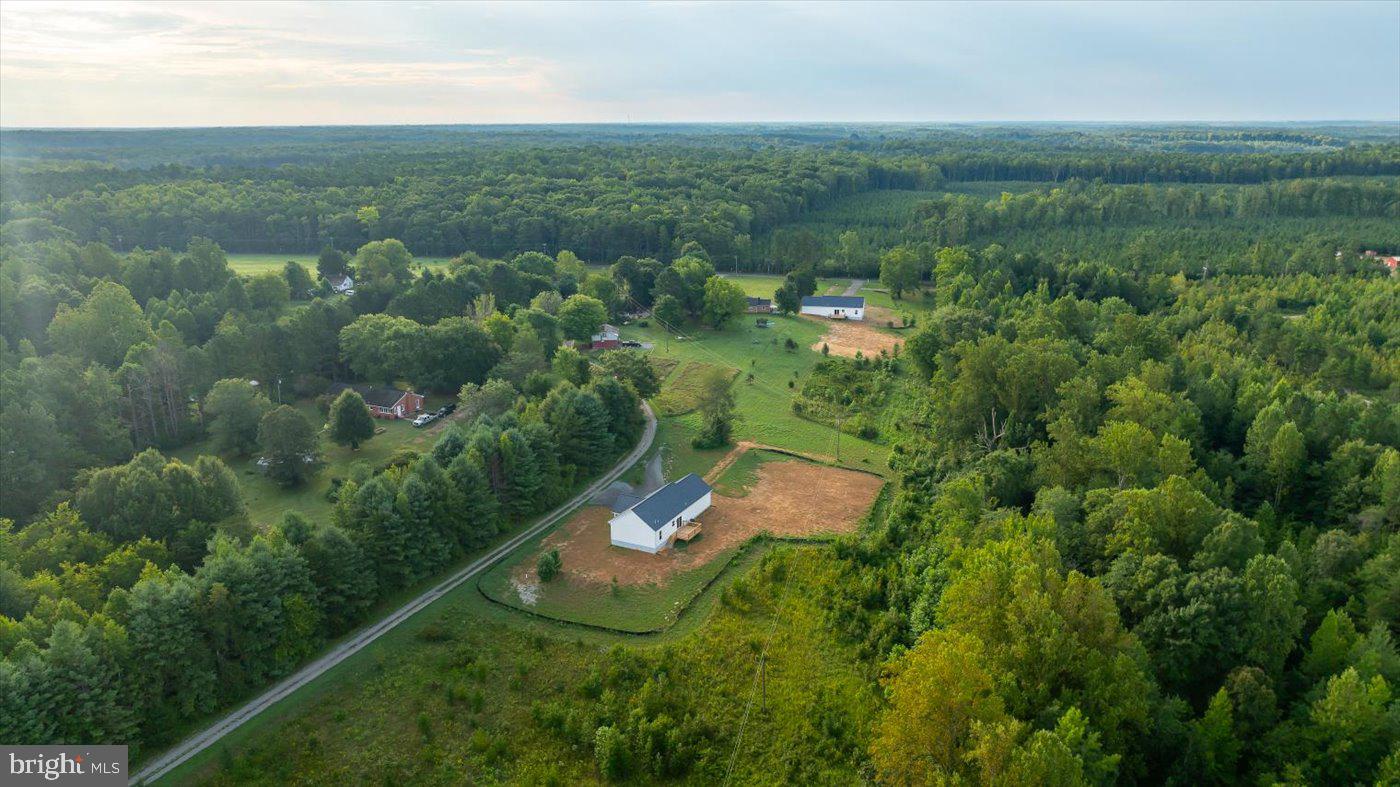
(758, 301)
(835, 301)
(667, 503)
(623, 502)
(374, 396)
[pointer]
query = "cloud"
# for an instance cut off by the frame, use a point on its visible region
(306, 62)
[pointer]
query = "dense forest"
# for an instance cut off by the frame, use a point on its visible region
(599, 192)
(1144, 522)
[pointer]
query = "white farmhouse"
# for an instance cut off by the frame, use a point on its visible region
(341, 283)
(835, 307)
(651, 523)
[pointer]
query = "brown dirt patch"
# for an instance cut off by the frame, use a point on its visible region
(790, 498)
(883, 317)
(845, 337)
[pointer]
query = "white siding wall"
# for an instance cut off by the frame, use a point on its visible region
(629, 531)
(831, 311)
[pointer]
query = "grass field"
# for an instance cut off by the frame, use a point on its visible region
(454, 695)
(681, 393)
(250, 264)
(763, 402)
(267, 501)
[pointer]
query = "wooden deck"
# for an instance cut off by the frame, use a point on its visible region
(688, 532)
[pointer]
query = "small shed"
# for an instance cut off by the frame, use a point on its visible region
(835, 307)
(650, 525)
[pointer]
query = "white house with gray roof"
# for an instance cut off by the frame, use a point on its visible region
(835, 307)
(650, 524)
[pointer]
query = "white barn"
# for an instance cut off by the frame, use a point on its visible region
(835, 307)
(650, 524)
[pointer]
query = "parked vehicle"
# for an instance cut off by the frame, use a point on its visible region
(630, 343)
(424, 419)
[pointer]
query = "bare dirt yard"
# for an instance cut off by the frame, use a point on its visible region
(883, 317)
(845, 337)
(789, 498)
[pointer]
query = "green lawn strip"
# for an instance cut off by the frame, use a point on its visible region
(663, 367)
(757, 285)
(918, 304)
(250, 264)
(739, 478)
(678, 456)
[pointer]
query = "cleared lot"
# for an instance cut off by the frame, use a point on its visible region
(786, 498)
(845, 337)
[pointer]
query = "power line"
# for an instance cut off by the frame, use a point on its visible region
(760, 674)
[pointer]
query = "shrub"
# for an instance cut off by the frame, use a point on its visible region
(610, 750)
(548, 565)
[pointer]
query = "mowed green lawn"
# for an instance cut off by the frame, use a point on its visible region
(251, 264)
(918, 303)
(764, 402)
(267, 501)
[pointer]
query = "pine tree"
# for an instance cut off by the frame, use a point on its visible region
(521, 472)
(479, 518)
(343, 576)
(380, 531)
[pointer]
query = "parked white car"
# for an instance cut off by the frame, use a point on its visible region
(424, 419)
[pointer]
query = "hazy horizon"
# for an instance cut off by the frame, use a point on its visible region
(219, 65)
(913, 124)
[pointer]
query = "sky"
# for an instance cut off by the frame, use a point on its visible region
(303, 63)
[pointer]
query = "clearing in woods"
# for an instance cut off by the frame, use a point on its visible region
(773, 494)
(846, 337)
